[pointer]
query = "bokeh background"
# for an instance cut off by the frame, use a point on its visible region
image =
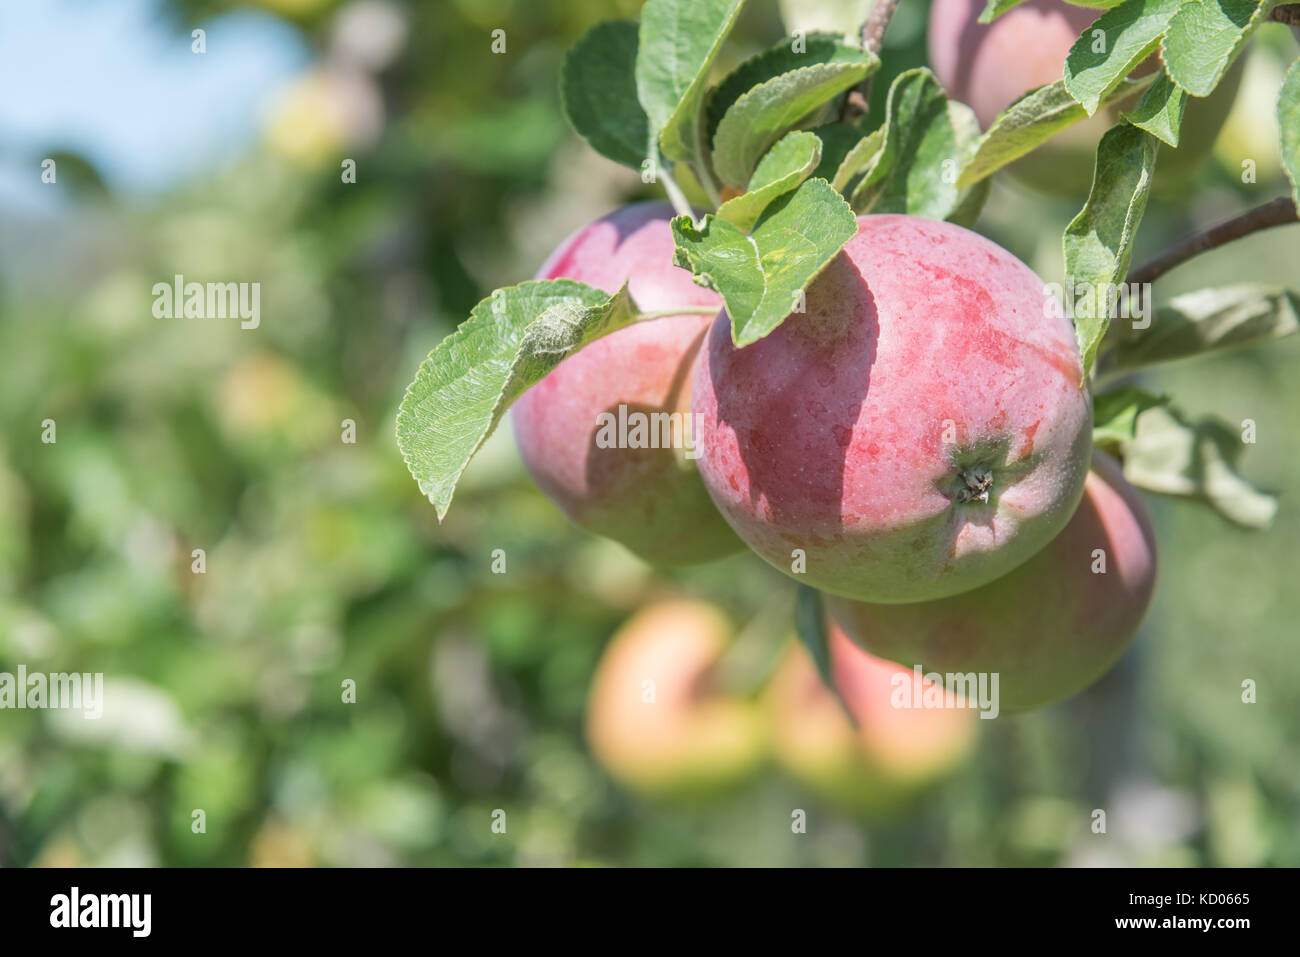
(325, 564)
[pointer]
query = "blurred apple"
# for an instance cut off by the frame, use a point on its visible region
(323, 112)
(889, 758)
(989, 66)
(655, 721)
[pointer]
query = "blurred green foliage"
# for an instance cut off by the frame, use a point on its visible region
(324, 564)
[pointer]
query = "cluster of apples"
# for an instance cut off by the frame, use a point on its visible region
(658, 721)
(916, 443)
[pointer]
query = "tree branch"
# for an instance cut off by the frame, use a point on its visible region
(1287, 13)
(675, 195)
(873, 31)
(1279, 212)
(871, 37)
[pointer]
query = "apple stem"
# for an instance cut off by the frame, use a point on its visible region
(675, 194)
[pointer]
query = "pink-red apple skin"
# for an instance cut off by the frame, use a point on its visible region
(651, 500)
(654, 720)
(893, 753)
(989, 66)
(1049, 628)
(930, 367)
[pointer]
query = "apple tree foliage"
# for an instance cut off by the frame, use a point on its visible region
(781, 169)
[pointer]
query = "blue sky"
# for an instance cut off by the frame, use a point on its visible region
(114, 81)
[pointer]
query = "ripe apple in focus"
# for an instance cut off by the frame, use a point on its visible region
(919, 430)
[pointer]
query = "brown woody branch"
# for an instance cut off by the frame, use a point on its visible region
(872, 37)
(1279, 212)
(1288, 14)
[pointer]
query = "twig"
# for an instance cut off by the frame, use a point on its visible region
(1288, 14)
(675, 194)
(1279, 212)
(873, 31)
(872, 38)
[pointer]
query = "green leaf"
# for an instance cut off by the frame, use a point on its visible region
(1031, 121)
(511, 340)
(813, 629)
(1288, 121)
(1203, 322)
(786, 165)
(970, 200)
(863, 156)
(1130, 32)
(1160, 111)
(838, 140)
(916, 172)
(758, 118)
(1098, 242)
(760, 276)
(1205, 36)
(679, 41)
(1115, 413)
(790, 54)
(1199, 461)
(598, 89)
(996, 8)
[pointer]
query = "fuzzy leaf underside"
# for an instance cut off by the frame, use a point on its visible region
(1204, 322)
(1098, 243)
(1160, 111)
(1195, 460)
(510, 341)
(1031, 121)
(1115, 413)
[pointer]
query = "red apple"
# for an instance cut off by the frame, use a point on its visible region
(988, 66)
(648, 498)
(1049, 628)
(919, 431)
(894, 752)
(654, 719)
